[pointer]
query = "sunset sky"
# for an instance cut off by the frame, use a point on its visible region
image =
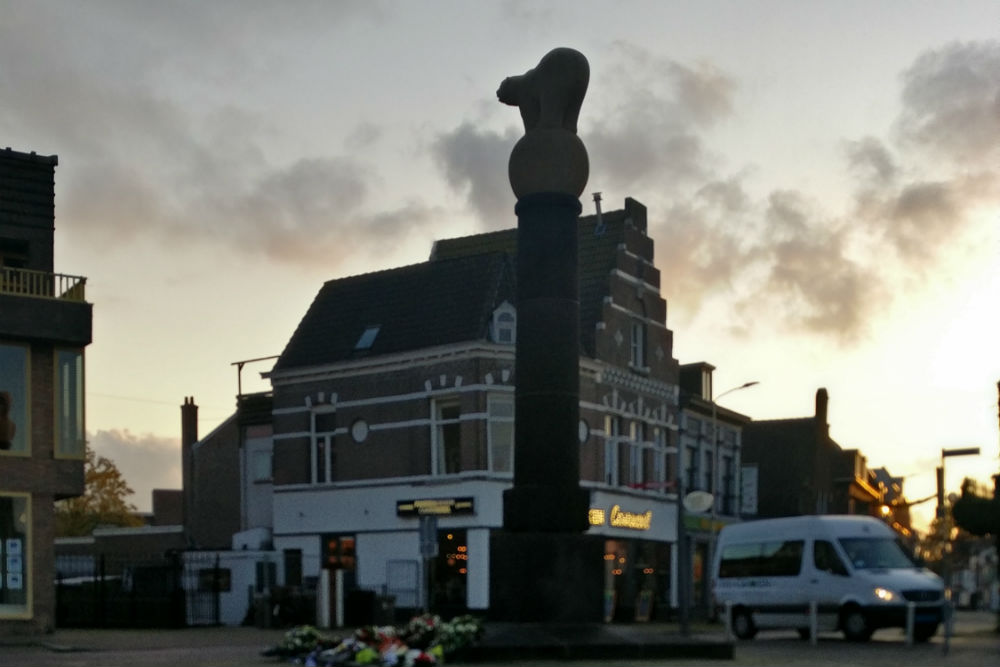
(822, 178)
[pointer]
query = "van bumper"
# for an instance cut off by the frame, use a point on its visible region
(894, 616)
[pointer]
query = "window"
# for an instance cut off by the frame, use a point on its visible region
(637, 435)
(638, 344)
(367, 338)
(339, 552)
(447, 454)
(612, 435)
(762, 559)
(15, 554)
(70, 438)
(14, 396)
(260, 466)
(709, 469)
(505, 324)
(728, 488)
(826, 559)
(501, 432)
(322, 459)
(691, 467)
(661, 472)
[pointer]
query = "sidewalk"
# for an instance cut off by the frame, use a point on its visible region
(232, 646)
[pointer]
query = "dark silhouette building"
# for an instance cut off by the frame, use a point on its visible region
(801, 470)
(45, 324)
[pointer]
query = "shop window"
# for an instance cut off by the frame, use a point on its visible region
(447, 455)
(501, 432)
(14, 397)
(15, 554)
(70, 433)
(451, 569)
(339, 552)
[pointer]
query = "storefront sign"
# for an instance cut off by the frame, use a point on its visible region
(620, 518)
(435, 506)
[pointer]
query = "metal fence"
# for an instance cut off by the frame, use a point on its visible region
(157, 591)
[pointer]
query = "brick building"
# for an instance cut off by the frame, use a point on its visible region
(800, 469)
(393, 402)
(45, 324)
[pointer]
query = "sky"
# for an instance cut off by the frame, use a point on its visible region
(822, 179)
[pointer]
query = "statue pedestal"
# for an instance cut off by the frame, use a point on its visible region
(546, 577)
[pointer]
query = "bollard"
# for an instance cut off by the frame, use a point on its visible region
(911, 613)
(949, 624)
(813, 622)
(729, 621)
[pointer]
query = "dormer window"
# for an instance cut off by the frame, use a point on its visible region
(367, 338)
(504, 326)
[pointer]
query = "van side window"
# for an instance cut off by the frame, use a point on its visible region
(762, 559)
(826, 559)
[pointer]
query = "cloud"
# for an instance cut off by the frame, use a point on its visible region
(951, 99)
(647, 130)
(146, 461)
(474, 162)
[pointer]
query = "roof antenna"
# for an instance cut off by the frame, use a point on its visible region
(599, 228)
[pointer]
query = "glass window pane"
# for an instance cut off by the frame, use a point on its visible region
(14, 395)
(70, 437)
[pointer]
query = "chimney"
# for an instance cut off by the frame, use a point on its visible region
(822, 400)
(189, 436)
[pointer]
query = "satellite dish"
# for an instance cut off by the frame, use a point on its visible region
(698, 501)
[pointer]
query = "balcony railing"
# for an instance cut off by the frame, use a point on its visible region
(41, 284)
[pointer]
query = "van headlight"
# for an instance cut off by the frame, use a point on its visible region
(884, 594)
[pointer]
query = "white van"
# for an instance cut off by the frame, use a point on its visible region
(769, 572)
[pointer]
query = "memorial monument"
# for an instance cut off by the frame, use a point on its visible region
(543, 567)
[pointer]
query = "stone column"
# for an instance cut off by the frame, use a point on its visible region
(543, 569)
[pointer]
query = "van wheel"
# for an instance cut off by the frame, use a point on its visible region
(854, 623)
(805, 633)
(742, 624)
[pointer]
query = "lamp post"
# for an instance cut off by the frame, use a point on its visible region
(683, 546)
(945, 453)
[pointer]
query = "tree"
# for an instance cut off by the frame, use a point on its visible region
(978, 514)
(975, 512)
(103, 502)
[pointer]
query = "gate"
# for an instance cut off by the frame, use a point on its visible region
(162, 591)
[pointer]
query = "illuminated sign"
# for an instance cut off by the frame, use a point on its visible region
(620, 518)
(435, 506)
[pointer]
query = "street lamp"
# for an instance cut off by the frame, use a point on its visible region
(683, 547)
(715, 451)
(945, 453)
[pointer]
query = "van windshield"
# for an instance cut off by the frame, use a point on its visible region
(867, 553)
